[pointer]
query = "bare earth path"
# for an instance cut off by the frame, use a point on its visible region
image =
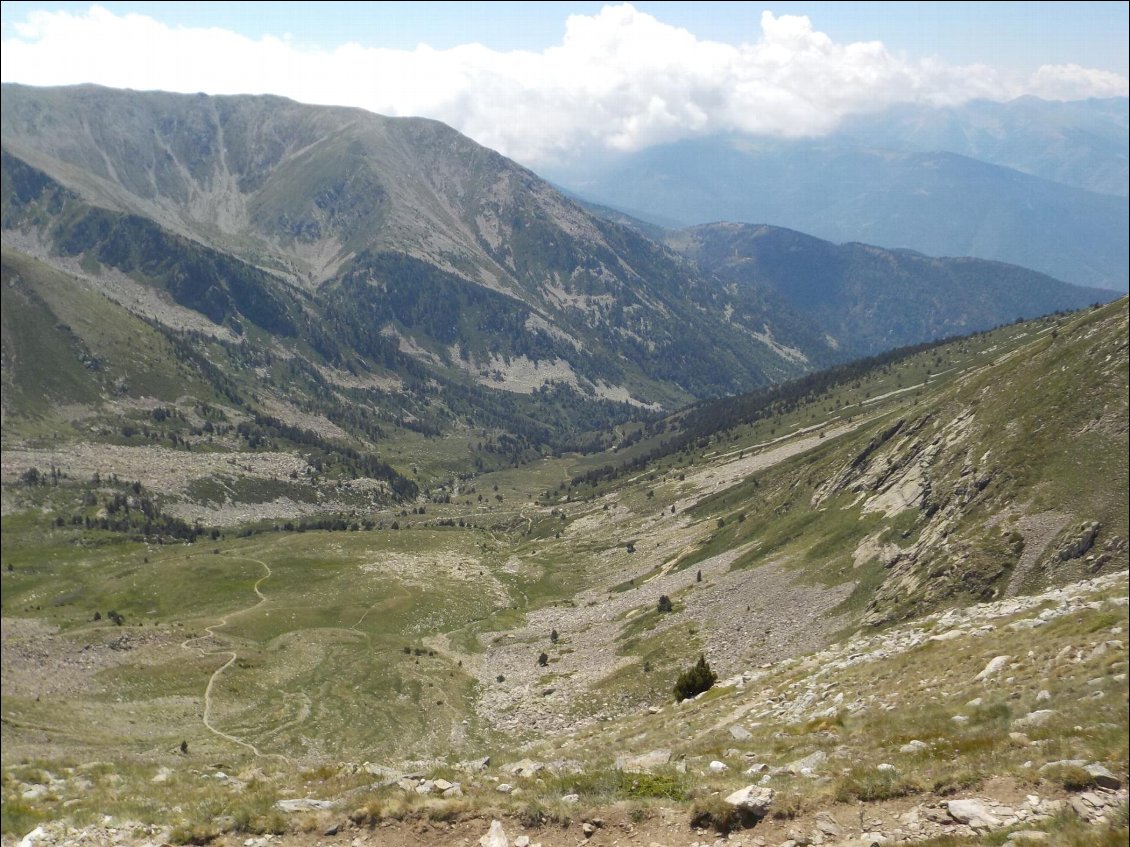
(232, 656)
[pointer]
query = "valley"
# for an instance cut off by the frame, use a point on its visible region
(358, 486)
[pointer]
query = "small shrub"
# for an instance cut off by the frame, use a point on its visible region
(543, 659)
(869, 785)
(695, 680)
(665, 604)
(1071, 777)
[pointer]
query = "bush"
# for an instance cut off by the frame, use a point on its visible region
(695, 680)
(665, 604)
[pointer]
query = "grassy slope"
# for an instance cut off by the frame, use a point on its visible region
(328, 643)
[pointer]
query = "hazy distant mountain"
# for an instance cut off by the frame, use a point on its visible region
(871, 299)
(873, 182)
(1080, 142)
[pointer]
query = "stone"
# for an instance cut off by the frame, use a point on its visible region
(588, 829)
(456, 790)
(960, 719)
(1062, 763)
(1028, 836)
(740, 733)
(1043, 696)
(1103, 777)
(495, 837)
(643, 763)
(718, 767)
(475, 765)
(995, 665)
(799, 837)
(504, 788)
(752, 800)
(808, 764)
(522, 841)
(303, 804)
(914, 746)
(827, 825)
(524, 768)
(886, 767)
(973, 813)
(1040, 717)
(756, 768)
(570, 798)
(163, 775)
(441, 784)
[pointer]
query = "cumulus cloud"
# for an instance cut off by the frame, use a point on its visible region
(619, 79)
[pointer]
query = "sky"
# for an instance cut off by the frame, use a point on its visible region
(542, 82)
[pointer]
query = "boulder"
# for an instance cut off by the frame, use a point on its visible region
(808, 764)
(827, 825)
(995, 665)
(718, 767)
(524, 768)
(973, 813)
(740, 733)
(914, 746)
(495, 837)
(1103, 777)
(752, 800)
(1037, 718)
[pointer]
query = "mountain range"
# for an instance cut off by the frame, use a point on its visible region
(1033, 183)
(360, 486)
(400, 251)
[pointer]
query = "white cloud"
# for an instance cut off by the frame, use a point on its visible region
(620, 79)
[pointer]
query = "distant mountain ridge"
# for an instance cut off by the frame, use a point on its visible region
(870, 298)
(909, 178)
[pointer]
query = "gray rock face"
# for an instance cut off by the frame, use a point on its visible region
(973, 813)
(1080, 542)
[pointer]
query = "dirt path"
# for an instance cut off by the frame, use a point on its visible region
(232, 656)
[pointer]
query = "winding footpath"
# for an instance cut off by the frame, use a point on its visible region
(232, 656)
